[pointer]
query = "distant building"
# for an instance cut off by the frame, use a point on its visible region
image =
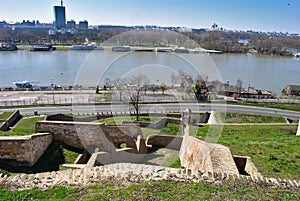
(2, 24)
(244, 42)
(71, 24)
(51, 32)
(60, 16)
(292, 90)
(83, 24)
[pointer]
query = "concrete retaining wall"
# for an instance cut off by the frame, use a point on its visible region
(24, 151)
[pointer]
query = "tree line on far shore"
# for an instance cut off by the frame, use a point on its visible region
(225, 41)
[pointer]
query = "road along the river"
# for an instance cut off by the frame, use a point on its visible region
(170, 107)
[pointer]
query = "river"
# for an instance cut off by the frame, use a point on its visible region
(66, 67)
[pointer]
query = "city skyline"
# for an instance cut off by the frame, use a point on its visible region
(257, 15)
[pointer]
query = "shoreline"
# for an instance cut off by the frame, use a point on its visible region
(66, 47)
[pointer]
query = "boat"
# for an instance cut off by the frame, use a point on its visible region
(121, 49)
(8, 47)
(43, 47)
(181, 50)
(164, 50)
(90, 46)
(144, 49)
(23, 84)
(214, 52)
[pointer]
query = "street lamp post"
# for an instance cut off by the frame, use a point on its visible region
(52, 86)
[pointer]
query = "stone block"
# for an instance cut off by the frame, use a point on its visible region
(202, 156)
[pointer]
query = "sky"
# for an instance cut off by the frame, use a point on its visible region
(257, 15)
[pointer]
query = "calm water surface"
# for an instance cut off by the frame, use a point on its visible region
(91, 68)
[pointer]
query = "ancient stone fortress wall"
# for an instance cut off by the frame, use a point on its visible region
(81, 135)
(200, 159)
(196, 118)
(23, 151)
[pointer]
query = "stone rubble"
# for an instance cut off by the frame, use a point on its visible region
(126, 173)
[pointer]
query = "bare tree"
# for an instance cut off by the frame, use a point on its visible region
(119, 85)
(181, 78)
(134, 87)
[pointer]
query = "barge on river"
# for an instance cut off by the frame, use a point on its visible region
(46, 47)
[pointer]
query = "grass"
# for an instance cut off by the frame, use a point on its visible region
(283, 106)
(165, 190)
(4, 116)
(234, 117)
(69, 155)
(26, 126)
(274, 149)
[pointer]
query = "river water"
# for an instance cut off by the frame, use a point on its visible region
(91, 68)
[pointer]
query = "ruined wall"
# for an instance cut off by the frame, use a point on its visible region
(120, 156)
(81, 135)
(246, 166)
(198, 118)
(165, 141)
(124, 134)
(78, 134)
(25, 150)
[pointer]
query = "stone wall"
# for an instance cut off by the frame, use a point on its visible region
(199, 118)
(81, 135)
(23, 151)
(78, 134)
(154, 125)
(164, 141)
(128, 134)
(120, 156)
(196, 118)
(246, 166)
(132, 173)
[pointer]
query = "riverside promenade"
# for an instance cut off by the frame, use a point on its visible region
(19, 98)
(69, 97)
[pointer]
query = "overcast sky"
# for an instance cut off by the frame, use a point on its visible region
(258, 15)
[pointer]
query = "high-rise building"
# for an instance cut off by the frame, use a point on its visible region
(60, 16)
(83, 24)
(71, 24)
